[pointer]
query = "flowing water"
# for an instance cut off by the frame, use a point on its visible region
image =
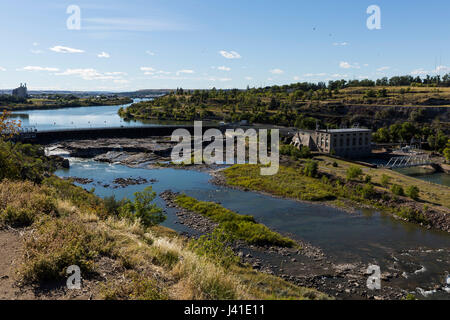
(421, 255)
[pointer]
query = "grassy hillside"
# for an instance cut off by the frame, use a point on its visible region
(50, 224)
(302, 104)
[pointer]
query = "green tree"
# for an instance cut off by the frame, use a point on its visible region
(143, 208)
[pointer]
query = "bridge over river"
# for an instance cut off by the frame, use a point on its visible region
(408, 161)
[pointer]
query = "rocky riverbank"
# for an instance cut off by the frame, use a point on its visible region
(307, 266)
(130, 152)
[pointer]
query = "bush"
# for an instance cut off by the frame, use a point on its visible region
(22, 203)
(310, 168)
(368, 191)
(397, 190)
(385, 180)
(23, 162)
(215, 246)
(413, 192)
(294, 152)
(58, 244)
(412, 215)
(353, 172)
(142, 208)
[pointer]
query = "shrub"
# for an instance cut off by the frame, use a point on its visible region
(216, 247)
(353, 172)
(368, 179)
(22, 203)
(412, 192)
(335, 164)
(310, 168)
(385, 180)
(397, 190)
(294, 152)
(142, 208)
(368, 191)
(412, 215)
(58, 244)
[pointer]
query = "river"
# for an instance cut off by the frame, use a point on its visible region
(83, 117)
(422, 256)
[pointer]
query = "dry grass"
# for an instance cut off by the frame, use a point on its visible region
(155, 263)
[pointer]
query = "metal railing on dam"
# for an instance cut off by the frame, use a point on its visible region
(50, 136)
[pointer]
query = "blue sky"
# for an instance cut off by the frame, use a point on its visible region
(137, 44)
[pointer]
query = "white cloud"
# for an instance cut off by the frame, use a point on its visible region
(150, 53)
(296, 78)
(442, 69)
(103, 55)
(186, 71)
(36, 51)
(276, 71)
(61, 49)
(315, 74)
(338, 75)
(92, 74)
(35, 44)
(383, 69)
(419, 72)
(340, 43)
(223, 68)
(346, 65)
(248, 78)
(149, 71)
(38, 68)
(2, 69)
(230, 54)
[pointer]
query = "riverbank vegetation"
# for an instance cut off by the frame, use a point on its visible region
(421, 103)
(340, 183)
(242, 227)
(119, 246)
(54, 101)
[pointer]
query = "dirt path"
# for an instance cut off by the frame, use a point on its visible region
(10, 250)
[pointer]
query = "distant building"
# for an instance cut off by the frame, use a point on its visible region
(346, 143)
(21, 92)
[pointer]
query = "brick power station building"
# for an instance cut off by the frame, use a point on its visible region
(346, 143)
